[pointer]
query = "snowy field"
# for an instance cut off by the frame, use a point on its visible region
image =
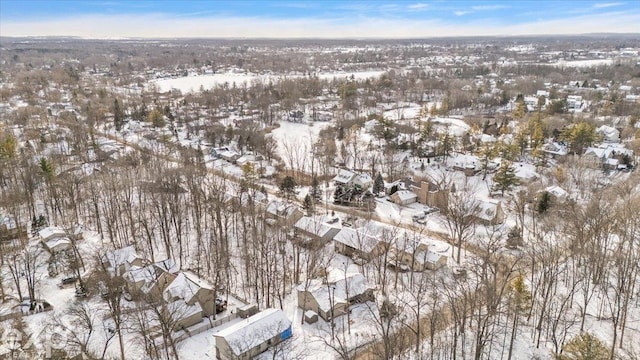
(194, 83)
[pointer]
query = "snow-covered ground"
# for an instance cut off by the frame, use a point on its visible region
(194, 83)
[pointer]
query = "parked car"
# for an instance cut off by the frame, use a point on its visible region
(67, 281)
(221, 305)
(431, 210)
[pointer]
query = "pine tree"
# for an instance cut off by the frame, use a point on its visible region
(118, 115)
(307, 205)
(505, 178)
(378, 184)
(585, 347)
(315, 189)
(544, 203)
(579, 136)
(287, 186)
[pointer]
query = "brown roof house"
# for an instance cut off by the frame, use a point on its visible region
(430, 194)
(253, 336)
(333, 297)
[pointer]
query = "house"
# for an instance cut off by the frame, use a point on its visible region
(252, 336)
(54, 240)
(364, 181)
(9, 228)
(404, 197)
(469, 164)
(183, 315)
(152, 279)
(283, 213)
(597, 157)
(555, 149)
(557, 192)
(344, 177)
(353, 243)
(608, 133)
(192, 289)
(415, 254)
(333, 297)
(490, 212)
(314, 232)
(349, 178)
(119, 261)
(430, 194)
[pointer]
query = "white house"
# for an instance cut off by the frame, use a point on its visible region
(252, 336)
(609, 134)
(333, 297)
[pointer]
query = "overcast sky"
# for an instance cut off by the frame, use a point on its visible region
(317, 19)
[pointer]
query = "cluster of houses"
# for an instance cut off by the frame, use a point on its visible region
(334, 293)
(609, 155)
(189, 300)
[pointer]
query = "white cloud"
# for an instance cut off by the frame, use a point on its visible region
(489, 7)
(167, 26)
(606, 5)
(461, 12)
(418, 6)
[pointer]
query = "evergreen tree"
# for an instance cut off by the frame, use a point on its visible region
(579, 136)
(156, 118)
(505, 178)
(585, 347)
(118, 115)
(378, 184)
(544, 203)
(307, 205)
(287, 186)
(315, 189)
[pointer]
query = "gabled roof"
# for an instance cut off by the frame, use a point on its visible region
(315, 226)
(255, 330)
(117, 257)
(179, 309)
(356, 239)
(403, 195)
(185, 286)
(487, 210)
(344, 177)
(338, 289)
(51, 232)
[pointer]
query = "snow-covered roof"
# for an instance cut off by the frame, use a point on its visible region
(51, 232)
(315, 226)
(555, 148)
(117, 257)
(487, 210)
(58, 244)
(179, 309)
(356, 239)
(255, 330)
(404, 195)
(281, 208)
(344, 177)
(609, 133)
(185, 286)
(339, 288)
(149, 274)
(557, 191)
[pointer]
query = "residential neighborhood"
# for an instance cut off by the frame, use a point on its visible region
(351, 196)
